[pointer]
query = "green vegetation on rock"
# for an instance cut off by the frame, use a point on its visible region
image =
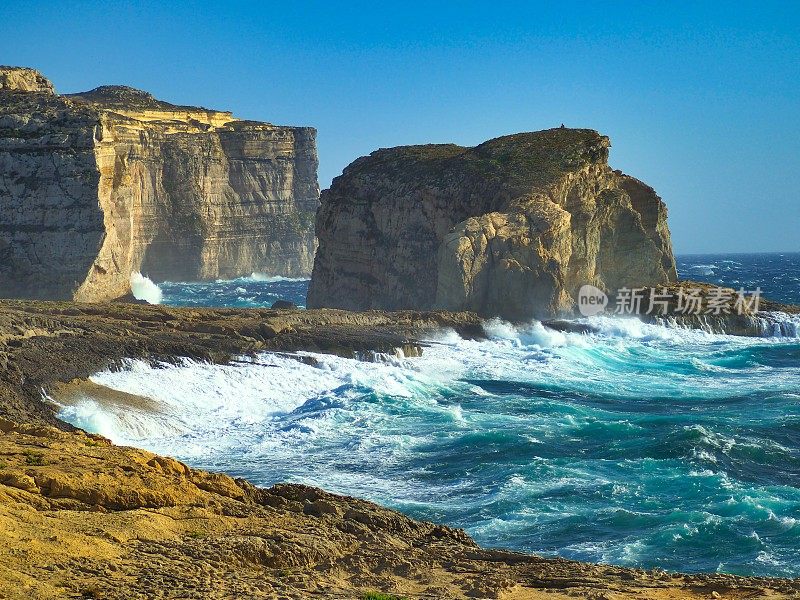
(380, 596)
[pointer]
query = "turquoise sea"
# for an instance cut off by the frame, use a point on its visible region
(636, 445)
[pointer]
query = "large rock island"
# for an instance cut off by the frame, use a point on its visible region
(97, 185)
(512, 227)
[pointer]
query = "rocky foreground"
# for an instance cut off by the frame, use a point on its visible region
(81, 518)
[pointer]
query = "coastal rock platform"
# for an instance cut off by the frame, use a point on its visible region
(82, 518)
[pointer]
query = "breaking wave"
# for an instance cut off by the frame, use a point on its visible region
(780, 324)
(143, 288)
(273, 278)
(634, 444)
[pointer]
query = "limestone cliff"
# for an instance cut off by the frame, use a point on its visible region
(94, 186)
(512, 227)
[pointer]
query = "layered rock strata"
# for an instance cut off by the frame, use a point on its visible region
(98, 185)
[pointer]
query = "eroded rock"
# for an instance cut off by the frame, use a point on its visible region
(512, 227)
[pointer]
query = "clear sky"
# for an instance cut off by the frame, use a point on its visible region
(701, 99)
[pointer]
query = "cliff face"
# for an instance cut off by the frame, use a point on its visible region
(513, 227)
(97, 185)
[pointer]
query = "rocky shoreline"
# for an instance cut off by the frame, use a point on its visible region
(44, 343)
(82, 518)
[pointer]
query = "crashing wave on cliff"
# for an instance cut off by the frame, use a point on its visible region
(274, 278)
(143, 288)
(780, 324)
(635, 444)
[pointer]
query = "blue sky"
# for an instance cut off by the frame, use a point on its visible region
(701, 99)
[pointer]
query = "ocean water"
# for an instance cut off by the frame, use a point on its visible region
(636, 445)
(256, 291)
(777, 274)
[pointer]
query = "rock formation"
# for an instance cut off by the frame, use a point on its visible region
(24, 80)
(512, 227)
(98, 185)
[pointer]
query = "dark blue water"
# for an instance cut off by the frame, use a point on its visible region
(778, 275)
(636, 445)
(256, 291)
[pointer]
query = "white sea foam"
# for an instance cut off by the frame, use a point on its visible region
(704, 269)
(532, 334)
(274, 278)
(200, 396)
(780, 324)
(143, 288)
(207, 408)
(394, 430)
(634, 329)
(122, 424)
(201, 404)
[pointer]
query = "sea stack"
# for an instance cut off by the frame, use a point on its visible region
(511, 228)
(105, 183)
